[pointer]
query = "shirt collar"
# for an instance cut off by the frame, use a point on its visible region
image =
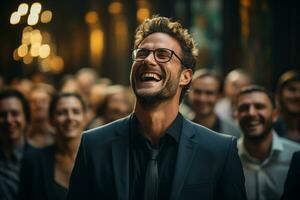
(277, 146)
(174, 130)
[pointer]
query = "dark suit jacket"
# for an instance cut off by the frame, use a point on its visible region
(207, 166)
(37, 175)
(291, 187)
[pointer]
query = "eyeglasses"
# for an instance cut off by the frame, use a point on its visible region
(161, 55)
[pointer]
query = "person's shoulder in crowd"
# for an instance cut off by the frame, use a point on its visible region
(34, 154)
(229, 127)
(203, 133)
(289, 147)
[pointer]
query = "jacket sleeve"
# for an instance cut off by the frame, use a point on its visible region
(80, 187)
(232, 182)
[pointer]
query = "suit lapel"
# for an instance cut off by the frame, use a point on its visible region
(120, 154)
(186, 152)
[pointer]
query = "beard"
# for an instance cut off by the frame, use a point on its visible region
(257, 138)
(167, 91)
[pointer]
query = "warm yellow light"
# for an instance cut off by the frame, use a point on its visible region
(22, 50)
(46, 16)
(15, 18)
(35, 8)
(27, 29)
(57, 64)
(91, 17)
(115, 8)
(96, 42)
(142, 14)
(44, 51)
(26, 38)
(15, 55)
(23, 9)
(27, 59)
(32, 19)
(45, 65)
(35, 37)
(34, 50)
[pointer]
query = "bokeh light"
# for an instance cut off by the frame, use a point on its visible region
(27, 59)
(22, 50)
(91, 17)
(15, 55)
(15, 18)
(115, 8)
(32, 19)
(23, 9)
(35, 8)
(142, 14)
(35, 37)
(46, 16)
(44, 51)
(34, 50)
(57, 64)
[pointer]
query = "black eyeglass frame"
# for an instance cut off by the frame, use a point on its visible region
(134, 52)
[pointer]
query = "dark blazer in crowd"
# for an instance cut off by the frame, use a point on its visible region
(207, 166)
(10, 170)
(37, 176)
(291, 187)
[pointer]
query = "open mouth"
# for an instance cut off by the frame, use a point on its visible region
(150, 76)
(252, 124)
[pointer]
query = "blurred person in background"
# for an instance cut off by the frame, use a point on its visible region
(265, 156)
(69, 83)
(97, 94)
(116, 105)
(86, 77)
(206, 89)
(14, 123)
(23, 85)
(234, 81)
(45, 172)
(288, 99)
(41, 132)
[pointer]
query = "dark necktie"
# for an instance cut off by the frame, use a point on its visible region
(151, 178)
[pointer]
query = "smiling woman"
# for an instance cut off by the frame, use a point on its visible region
(54, 164)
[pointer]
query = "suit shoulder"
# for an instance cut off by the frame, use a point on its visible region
(107, 132)
(209, 139)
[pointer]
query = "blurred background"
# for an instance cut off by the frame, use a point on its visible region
(46, 40)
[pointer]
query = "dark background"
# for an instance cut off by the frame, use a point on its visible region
(270, 47)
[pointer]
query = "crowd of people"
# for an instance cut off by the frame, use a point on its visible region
(42, 126)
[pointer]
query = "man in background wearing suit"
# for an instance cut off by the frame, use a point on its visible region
(155, 153)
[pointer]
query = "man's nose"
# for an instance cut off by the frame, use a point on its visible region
(150, 59)
(252, 110)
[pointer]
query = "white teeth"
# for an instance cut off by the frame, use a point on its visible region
(149, 76)
(253, 123)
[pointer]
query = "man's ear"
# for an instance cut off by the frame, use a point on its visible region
(186, 77)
